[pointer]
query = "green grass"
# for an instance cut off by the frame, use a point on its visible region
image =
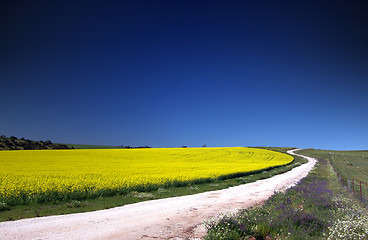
(84, 146)
(350, 164)
(56, 208)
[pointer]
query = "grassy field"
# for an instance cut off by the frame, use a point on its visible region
(317, 208)
(49, 175)
(350, 164)
(84, 146)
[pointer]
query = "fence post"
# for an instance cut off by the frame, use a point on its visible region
(360, 186)
(342, 180)
(353, 187)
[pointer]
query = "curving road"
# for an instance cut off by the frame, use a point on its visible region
(170, 218)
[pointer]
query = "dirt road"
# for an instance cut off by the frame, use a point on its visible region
(171, 218)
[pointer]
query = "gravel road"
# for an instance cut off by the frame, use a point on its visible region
(170, 218)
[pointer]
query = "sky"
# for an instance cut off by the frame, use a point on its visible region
(174, 73)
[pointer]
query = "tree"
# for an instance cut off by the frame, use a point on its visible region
(13, 138)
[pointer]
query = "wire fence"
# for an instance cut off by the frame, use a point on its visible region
(357, 187)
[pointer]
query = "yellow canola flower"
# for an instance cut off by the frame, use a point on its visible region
(34, 172)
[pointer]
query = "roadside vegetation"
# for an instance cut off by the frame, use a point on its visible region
(317, 208)
(33, 209)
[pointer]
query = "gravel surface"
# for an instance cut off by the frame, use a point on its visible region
(170, 218)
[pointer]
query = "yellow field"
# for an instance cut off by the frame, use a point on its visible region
(46, 175)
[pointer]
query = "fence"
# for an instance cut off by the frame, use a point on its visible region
(357, 187)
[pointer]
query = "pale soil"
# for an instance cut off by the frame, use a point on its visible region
(170, 218)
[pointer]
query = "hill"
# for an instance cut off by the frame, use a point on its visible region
(13, 143)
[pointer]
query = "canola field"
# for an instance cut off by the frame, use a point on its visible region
(50, 175)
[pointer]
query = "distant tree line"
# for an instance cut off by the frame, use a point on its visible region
(129, 147)
(13, 143)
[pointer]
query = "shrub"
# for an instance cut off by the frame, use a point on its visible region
(4, 207)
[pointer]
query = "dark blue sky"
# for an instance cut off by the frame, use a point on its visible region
(173, 73)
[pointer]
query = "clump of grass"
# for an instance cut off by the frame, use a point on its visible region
(76, 204)
(162, 190)
(141, 195)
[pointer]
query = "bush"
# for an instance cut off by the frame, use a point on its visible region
(4, 207)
